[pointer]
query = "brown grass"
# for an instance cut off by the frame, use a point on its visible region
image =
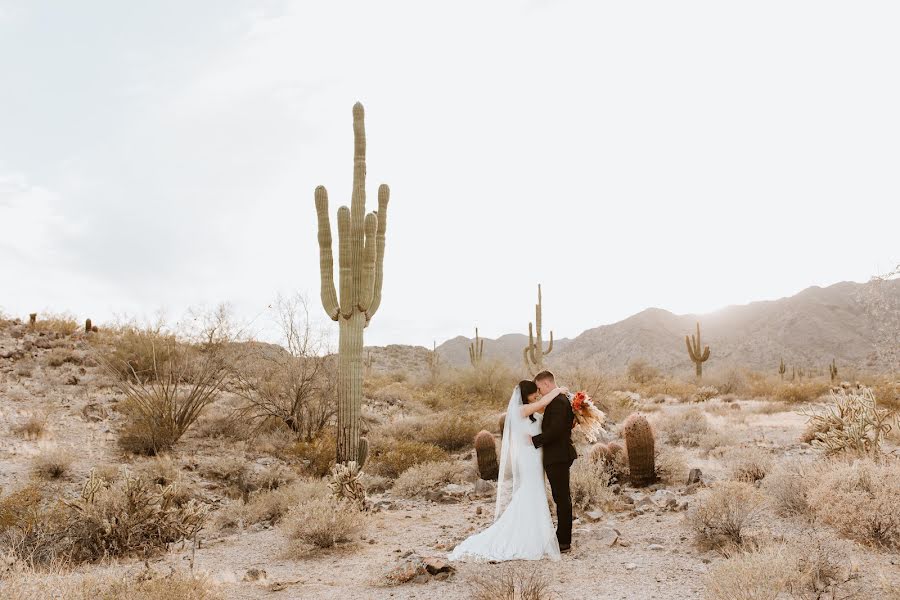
(322, 523)
(683, 428)
(33, 427)
(393, 457)
(272, 506)
(589, 486)
(31, 585)
(801, 392)
(748, 464)
(52, 464)
(722, 516)
(513, 584)
(419, 479)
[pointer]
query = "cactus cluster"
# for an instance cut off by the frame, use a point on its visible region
(640, 447)
(534, 352)
(361, 240)
(693, 347)
(476, 350)
(345, 484)
(486, 454)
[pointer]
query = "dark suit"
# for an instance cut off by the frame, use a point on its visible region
(559, 454)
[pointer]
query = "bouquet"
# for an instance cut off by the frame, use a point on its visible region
(589, 419)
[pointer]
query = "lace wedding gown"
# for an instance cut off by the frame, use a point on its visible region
(522, 528)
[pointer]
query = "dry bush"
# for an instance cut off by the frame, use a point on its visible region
(160, 405)
(395, 393)
(801, 392)
(393, 457)
(640, 371)
(163, 471)
(135, 354)
(613, 458)
(266, 506)
(714, 440)
(317, 456)
(421, 478)
(748, 464)
(770, 408)
(31, 585)
(450, 431)
(860, 500)
(489, 384)
(852, 422)
(787, 486)
(705, 393)
(670, 464)
(617, 405)
(731, 382)
(20, 507)
(53, 463)
(375, 484)
(239, 480)
(25, 368)
(589, 486)
(513, 584)
(60, 356)
(33, 427)
(60, 324)
(683, 428)
(722, 516)
(323, 523)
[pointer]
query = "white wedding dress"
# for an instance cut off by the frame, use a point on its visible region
(522, 528)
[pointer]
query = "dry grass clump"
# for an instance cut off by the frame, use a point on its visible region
(683, 428)
(421, 478)
(60, 356)
(53, 463)
(17, 508)
(61, 324)
(861, 501)
(30, 585)
(393, 457)
(722, 516)
(748, 464)
(163, 471)
(395, 393)
(613, 458)
(787, 486)
(800, 392)
(670, 464)
(32, 428)
(322, 523)
(24, 368)
(450, 431)
(589, 486)
(513, 584)
(272, 506)
(705, 393)
(641, 372)
(317, 456)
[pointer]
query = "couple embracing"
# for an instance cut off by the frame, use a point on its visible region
(537, 438)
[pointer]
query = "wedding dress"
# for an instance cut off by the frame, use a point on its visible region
(522, 528)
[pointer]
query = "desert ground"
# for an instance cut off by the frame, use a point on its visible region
(771, 513)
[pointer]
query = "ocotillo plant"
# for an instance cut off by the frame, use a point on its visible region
(639, 444)
(782, 369)
(693, 346)
(361, 272)
(832, 370)
(486, 454)
(534, 352)
(476, 350)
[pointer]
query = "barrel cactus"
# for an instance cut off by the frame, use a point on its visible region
(87, 326)
(640, 446)
(361, 271)
(486, 452)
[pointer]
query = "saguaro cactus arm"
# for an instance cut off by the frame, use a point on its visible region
(326, 258)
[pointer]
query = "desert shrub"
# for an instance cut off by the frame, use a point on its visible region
(640, 371)
(721, 517)
(266, 506)
(25, 368)
(239, 480)
(450, 431)
(128, 518)
(489, 384)
(393, 457)
(421, 478)
(617, 405)
(705, 393)
(612, 458)
(731, 382)
(19, 507)
(852, 422)
(670, 464)
(513, 584)
(787, 486)
(713, 440)
(160, 405)
(33, 427)
(375, 484)
(136, 354)
(589, 485)
(316, 456)
(31, 585)
(61, 324)
(860, 500)
(683, 428)
(163, 471)
(748, 464)
(323, 523)
(52, 463)
(395, 393)
(800, 392)
(60, 356)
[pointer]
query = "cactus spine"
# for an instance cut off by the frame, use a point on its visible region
(534, 352)
(476, 350)
(782, 369)
(486, 453)
(361, 271)
(693, 346)
(832, 370)
(639, 444)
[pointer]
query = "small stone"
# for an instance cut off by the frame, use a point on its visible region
(655, 547)
(435, 565)
(442, 576)
(421, 578)
(630, 566)
(594, 515)
(478, 510)
(485, 488)
(694, 476)
(607, 536)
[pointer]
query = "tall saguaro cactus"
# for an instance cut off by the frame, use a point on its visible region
(782, 369)
(832, 370)
(534, 352)
(476, 350)
(693, 346)
(361, 271)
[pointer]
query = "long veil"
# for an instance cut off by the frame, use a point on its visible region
(514, 430)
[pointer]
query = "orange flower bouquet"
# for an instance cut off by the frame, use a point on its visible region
(589, 419)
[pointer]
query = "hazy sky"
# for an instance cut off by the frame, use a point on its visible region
(685, 155)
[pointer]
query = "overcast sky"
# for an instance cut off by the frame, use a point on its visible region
(684, 155)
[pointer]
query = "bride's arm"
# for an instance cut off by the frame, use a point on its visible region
(530, 409)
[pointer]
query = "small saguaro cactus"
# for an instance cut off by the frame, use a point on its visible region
(793, 373)
(87, 326)
(476, 350)
(534, 352)
(32, 319)
(639, 444)
(434, 361)
(361, 272)
(486, 453)
(363, 452)
(693, 346)
(832, 370)
(782, 369)
(368, 362)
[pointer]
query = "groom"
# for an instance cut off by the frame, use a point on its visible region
(559, 454)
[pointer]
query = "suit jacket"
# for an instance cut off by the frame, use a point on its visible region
(556, 432)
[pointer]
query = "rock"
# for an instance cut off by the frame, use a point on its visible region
(644, 502)
(382, 505)
(607, 536)
(434, 495)
(630, 566)
(594, 515)
(254, 575)
(406, 571)
(682, 505)
(664, 499)
(694, 476)
(435, 565)
(421, 578)
(478, 511)
(656, 547)
(485, 488)
(454, 489)
(442, 576)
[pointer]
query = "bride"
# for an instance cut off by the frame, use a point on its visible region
(522, 528)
